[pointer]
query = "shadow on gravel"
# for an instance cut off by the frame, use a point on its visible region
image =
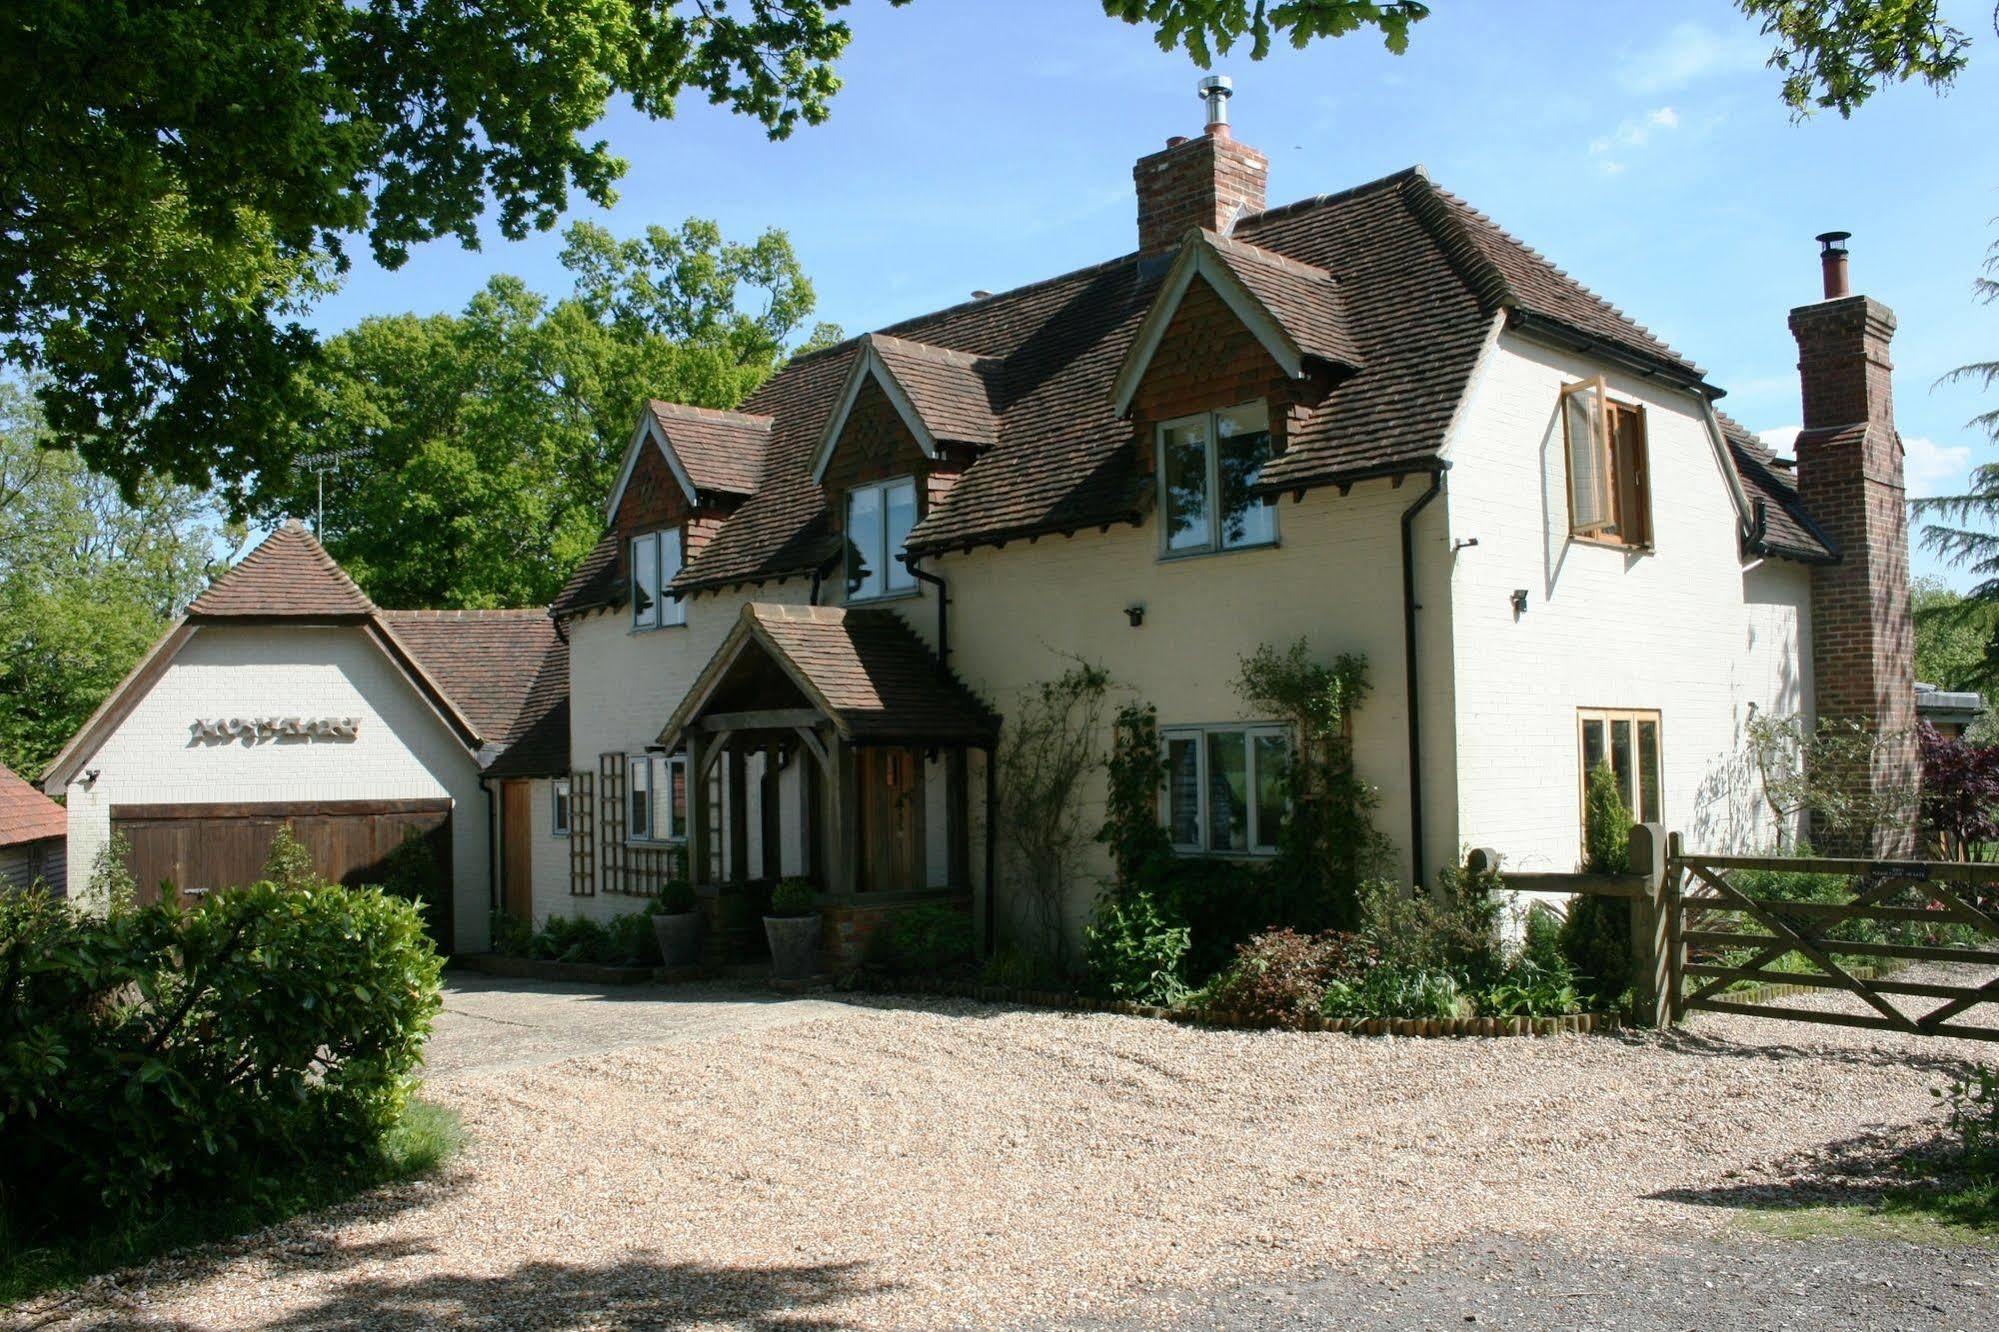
(1683, 1041)
(639, 1292)
(1867, 1170)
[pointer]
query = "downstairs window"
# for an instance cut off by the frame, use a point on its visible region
(1627, 740)
(1225, 788)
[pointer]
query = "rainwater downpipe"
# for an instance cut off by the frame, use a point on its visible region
(922, 575)
(1409, 609)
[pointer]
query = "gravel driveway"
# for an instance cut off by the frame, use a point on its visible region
(889, 1164)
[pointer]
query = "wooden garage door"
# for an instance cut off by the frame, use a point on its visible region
(224, 846)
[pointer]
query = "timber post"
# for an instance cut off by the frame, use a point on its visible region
(1651, 919)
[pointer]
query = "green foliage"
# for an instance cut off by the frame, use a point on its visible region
(1606, 824)
(793, 897)
(205, 1053)
(1531, 988)
(1141, 850)
(929, 940)
(412, 872)
(1134, 950)
(111, 885)
(252, 145)
(288, 863)
(483, 443)
(1596, 940)
(1012, 967)
(1395, 992)
(1452, 927)
(1954, 634)
(625, 941)
(512, 936)
(1048, 750)
(88, 581)
(1822, 772)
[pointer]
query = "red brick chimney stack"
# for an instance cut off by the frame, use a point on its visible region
(1207, 181)
(1850, 479)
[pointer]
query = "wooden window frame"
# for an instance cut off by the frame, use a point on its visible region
(1211, 420)
(1252, 829)
(1635, 797)
(667, 611)
(560, 807)
(897, 580)
(1625, 469)
(656, 766)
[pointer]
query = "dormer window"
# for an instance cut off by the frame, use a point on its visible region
(655, 563)
(1610, 492)
(878, 521)
(1208, 466)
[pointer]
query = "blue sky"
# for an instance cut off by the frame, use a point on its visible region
(988, 143)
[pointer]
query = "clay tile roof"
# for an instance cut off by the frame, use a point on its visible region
(538, 745)
(953, 391)
(1304, 299)
(1788, 531)
(289, 574)
(26, 815)
(722, 451)
(486, 662)
(877, 678)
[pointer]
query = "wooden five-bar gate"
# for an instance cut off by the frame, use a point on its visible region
(1759, 936)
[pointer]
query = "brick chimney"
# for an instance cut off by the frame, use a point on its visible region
(1208, 181)
(1850, 480)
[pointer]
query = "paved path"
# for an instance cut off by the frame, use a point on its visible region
(491, 1023)
(1744, 1284)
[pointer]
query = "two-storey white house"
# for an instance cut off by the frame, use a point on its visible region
(1372, 420)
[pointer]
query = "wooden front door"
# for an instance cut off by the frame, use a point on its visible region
(517, 849)
(891, 782)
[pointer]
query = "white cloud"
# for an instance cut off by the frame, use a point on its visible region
(1688, 54)
(1610, 149)
(1928, 468)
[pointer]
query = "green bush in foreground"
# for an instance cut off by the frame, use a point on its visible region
(202, 1055)
(1134, 949)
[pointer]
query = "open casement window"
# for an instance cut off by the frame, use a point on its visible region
(1225, 788)
(879, 518)
(1610, 497)
(655, 563)
(656, 798)
(1208, 468)
(1627, 740)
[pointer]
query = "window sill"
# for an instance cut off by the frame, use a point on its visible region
(650, 844)
(1602, 543)
(1175, 556)
(654, 628)
(1196, 853)
(911, 594)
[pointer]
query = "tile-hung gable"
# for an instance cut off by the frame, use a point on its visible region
(1381, 296)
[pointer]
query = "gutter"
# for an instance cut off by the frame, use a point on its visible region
(1411, 674)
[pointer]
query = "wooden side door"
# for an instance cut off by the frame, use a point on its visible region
(891, 782)
(517, 849)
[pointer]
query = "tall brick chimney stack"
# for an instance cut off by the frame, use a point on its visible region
(1850, 480)
(1208, 181)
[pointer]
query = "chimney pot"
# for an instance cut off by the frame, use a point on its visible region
(1215, 90)
(1206, 182)
(1832, 263)
(1176, 140)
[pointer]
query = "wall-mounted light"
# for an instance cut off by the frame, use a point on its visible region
(1519, 602)
(90, 775)
(1135, 613)
(1463, 543)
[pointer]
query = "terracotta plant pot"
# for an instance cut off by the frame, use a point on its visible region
(679, 938)
(794, 946)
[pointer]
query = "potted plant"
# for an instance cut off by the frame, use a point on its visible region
(792, 926)
(676, 924)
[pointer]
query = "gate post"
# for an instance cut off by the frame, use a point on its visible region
(1651, 945)
(1676, 925)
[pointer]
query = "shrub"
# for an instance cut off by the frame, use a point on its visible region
(1012, 967)
(1133, 950)
(793, 897)
(1280, 977)
(629, 941)
(1531, 989)
(288, 863)
(166, 1053)
(512, 936)
(676, 898)
(930, 939)
(568, 939)
(1541, 942)
(1972, 1100)
(1596, 941)
(1453, 927)
(1606, 824)
(112, 887)
(1395, 992)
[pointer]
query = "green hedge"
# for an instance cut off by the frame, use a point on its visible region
(169, 1054)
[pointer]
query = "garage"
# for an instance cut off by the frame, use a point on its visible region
(201, 847)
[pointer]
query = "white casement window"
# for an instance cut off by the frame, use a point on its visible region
(878, 521)
(655, 563)
(1207, 467)
(1610, 490)
(1628, 740)
(558, 817)
(656, 798)
(1225, 787)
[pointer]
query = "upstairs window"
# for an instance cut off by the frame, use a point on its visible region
(878, 521)
(1225, 788)
(656, 789)
(655, 564)
(1610, 494)
(1207, 467)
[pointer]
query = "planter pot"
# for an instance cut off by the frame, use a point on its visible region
(794, 946)
(679, 938)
